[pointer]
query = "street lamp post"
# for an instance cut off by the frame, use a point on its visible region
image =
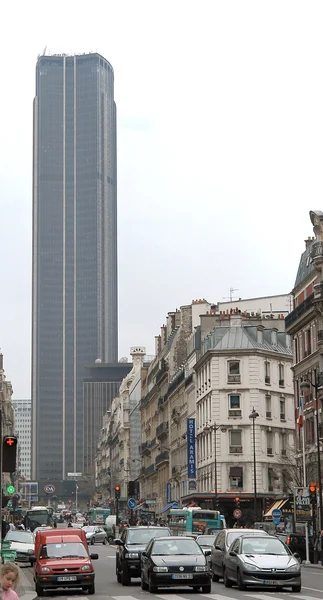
(254, 415)
(317, 385)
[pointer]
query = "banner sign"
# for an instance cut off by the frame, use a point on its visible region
(168, 493)
(302, 504)
(191, 450)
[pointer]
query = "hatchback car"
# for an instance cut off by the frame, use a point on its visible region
(95, 534)
(221, 546)
(174, 561)
(133, 541)
(258, 561)
(23, 543)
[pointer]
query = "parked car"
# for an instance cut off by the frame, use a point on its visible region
(132, 543)
(23, 543)
(206, 542)
(221, 546)
(256, 561)
(174, 561)
(296, 542)
(95, 534)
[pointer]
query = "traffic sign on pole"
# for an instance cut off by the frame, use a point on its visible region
(276, 521)
(276, 513)
(132, 503)
(237, 513)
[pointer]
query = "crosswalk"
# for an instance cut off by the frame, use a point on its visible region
(232, 595)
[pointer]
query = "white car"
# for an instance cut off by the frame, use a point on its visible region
(23, 543)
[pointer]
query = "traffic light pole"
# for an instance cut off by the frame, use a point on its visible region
(117, 512)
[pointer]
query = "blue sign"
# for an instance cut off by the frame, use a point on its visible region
(276, 521)
(168, 493)
(192, 485)
(191, 450)
(276, 513)
(132, 503)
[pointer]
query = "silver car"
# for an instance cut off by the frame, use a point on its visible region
(95, 534)
(257, 561)
(221, 546)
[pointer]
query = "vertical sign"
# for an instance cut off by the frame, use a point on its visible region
(168, 493)
(302, 503)
(191, 455)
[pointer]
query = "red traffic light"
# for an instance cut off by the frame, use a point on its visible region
(10, 441)
(117, 488)
(237, 499)
(312, 488)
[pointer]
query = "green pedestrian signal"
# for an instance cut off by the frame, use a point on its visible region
(11, 489)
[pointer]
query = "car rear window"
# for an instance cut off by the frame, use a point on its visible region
(143, 536)
(233, 535)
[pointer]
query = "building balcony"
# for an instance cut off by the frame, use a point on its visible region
(145, 448)
(161, 458)
(299, 313)
(317, 252)
(162, 429)
(150, 469)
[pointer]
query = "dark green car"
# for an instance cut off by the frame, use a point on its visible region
(109, 531)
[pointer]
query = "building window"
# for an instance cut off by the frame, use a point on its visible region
(270, 450)
(281, 375)
(267, 372)
(234, 371)
(236, 478)
(270, 480)
(234, 405)
(268, 406)
(235, 441)
(282, 409)
(283, 444)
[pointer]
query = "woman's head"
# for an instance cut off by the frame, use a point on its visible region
(9, 576)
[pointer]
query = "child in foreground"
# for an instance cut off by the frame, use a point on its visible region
(9, 573)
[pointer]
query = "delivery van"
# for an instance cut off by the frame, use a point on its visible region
(62, 560)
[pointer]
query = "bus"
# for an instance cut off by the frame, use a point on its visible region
(98, 515)
(185, 521)
(38, 516)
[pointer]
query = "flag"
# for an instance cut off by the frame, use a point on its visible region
(300, 414)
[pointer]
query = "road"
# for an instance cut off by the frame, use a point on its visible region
(108, 588)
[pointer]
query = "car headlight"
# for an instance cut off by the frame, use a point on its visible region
(202, 569)
(250, 567)
(30, 551)
(85, 568)
(294, 568)
(132, 555)
(45, 570)
(160, 569)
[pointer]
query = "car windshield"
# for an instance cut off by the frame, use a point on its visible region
(67, 550)
(89, 529)
(233, 535)
(205, 540)
(143, 536)
(20, 536)
(174, 547)
(262, 545)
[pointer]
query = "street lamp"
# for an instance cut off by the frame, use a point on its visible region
(215, 428)
(317, 385)
(254, 415)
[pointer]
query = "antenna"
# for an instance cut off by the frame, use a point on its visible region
(231, 298)
(44, 52)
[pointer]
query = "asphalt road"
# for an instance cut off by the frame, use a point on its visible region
(108, 588)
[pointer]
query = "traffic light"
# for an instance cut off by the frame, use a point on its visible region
(9, 454)
(117, 491)
(237, 502)
(313, 498)
(131, 489)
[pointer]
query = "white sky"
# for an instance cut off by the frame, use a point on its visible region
(220, 130)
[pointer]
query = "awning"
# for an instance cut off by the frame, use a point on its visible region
(169, 506)
(235, 471)
(277, 504)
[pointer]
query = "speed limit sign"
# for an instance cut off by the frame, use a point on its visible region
(237, 513)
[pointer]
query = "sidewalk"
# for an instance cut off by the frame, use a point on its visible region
(28, 587)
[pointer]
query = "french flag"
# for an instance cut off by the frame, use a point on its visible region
(300, 414)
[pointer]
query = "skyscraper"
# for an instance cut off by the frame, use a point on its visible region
(74, 318)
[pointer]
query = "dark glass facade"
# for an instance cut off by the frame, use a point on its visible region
(75, 318)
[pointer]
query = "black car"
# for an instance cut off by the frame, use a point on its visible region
(296, 542)
(174, 561)
(133, 542)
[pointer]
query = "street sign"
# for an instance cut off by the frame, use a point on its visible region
(277, 513)
(132, 503)
(237, 513)
(49, 488)
(74, 474)
(276, 521)
(11, 489)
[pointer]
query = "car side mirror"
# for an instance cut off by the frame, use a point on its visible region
(94, 556)
(118, 542)
(218, 547)
(144, 553)
(232, 553)
(207, 552)
(32, 559)
(297, 556)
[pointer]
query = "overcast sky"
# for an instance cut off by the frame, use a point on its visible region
(220, 154)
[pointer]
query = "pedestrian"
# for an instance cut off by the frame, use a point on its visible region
(9, 581)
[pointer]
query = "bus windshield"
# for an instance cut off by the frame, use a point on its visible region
(184, 521)
(38, 518)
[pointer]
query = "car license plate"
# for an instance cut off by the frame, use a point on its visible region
(182, 576)
(67, 578)
(271, 582)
